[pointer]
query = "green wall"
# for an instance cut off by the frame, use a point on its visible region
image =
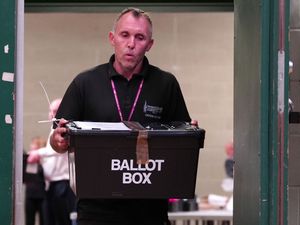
(7, 64)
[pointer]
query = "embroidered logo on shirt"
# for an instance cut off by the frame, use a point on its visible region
(152, 111)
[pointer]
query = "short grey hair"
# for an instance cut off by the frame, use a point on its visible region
(136, 12)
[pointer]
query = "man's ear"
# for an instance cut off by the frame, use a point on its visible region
(150, 45)
(111, 37)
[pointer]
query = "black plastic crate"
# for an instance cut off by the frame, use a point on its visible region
(103, 162)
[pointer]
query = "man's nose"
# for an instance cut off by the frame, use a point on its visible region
(131, 42)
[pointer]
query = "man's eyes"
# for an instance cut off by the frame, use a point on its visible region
(139, 36)
(124, 34)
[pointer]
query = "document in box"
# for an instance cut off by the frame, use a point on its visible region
(101, 125)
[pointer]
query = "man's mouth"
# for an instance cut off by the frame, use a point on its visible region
(129, 56)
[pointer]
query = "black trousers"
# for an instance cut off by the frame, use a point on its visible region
(61, 202)
(34, 206)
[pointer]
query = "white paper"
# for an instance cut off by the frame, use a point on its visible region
(6, 76)
(6, 49)
(101, 125)
(218, 200)
(8, 119)
(229, 205)
(32, 168)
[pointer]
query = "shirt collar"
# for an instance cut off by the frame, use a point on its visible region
(112, 72)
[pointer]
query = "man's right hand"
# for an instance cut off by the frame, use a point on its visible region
(57, 140)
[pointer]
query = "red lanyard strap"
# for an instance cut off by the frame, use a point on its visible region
(134, 103)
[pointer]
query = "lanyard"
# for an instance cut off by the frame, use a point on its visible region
(134, 103)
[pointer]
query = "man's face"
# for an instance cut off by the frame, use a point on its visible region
(131, 40)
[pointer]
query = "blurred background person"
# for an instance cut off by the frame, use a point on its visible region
(61, 200)
(227, 183)
(229, 162)
(35, 194)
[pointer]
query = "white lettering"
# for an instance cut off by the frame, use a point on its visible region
(129, 165)
(140, 168)
(126, 178)
(125, 165)
(136, 178)
(159, 163)
(132, 168)
(150, 166)
(147, 178)
(115, 164)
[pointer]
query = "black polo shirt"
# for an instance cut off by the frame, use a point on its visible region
(90, 98)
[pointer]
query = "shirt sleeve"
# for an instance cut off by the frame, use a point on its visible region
(177, 109)
(71, 106)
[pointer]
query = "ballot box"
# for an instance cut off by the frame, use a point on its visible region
(128, 160)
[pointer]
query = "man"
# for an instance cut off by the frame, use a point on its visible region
(126, 88)
(60, 198)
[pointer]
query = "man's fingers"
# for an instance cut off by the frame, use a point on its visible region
(194, 122)
(58, 141)
(62, 122)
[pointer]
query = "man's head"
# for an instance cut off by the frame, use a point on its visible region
(136, 13)
(54, 105)
(131, 38)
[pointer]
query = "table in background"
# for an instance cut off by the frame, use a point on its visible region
(201, 217)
